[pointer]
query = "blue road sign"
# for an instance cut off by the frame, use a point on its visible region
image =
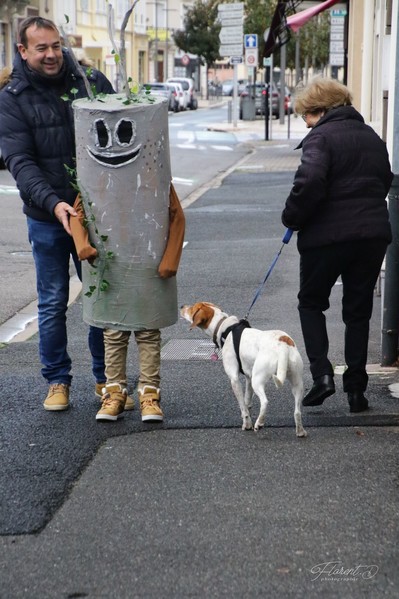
(251, 40)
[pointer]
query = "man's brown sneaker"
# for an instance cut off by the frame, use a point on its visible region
(129, 405)
(149, 404)
(113, 402)
(57, 397)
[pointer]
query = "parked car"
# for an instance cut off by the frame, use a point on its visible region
(189, 90)
(288, 108)
(163, 90)
(214, 89)
(175, 94)
(228, 86)
(180, 96)
(259, 93)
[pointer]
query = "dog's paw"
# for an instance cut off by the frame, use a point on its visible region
(258, 424)
(301, 433)
(247, 425)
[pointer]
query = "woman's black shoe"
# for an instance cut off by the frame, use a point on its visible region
(357, 402)
(322, 388)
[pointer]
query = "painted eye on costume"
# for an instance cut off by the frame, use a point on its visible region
(125, 132)
(102, 134)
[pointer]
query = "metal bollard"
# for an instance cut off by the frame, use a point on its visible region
(390, 315)
(230, 111)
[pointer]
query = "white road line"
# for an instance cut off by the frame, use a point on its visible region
(188, 146)
(181, 181)
(223, 148)
(8, 189)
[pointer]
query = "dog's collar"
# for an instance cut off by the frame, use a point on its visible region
(215, 334)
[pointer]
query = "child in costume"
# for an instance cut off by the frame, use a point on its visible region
(129, 211)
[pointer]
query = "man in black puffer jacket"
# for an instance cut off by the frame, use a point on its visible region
(338, 206)
(38, 147)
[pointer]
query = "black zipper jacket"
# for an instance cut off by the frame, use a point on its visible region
(37, 133)
(340, 188)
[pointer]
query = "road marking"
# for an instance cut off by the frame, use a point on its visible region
(9, 189)
(189, 146)
(223, 148)
(180, 181)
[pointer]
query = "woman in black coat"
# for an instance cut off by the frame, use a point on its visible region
(338, 206)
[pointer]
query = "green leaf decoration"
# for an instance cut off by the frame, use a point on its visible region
(104, 285)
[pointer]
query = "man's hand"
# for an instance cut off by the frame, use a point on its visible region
(62, 211)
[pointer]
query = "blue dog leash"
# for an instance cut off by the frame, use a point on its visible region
(285, 240)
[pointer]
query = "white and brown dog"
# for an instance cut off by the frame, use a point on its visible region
(259, 355)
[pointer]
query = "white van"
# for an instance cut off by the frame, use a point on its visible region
(188, 86)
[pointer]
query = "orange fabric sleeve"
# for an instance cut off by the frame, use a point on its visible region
(80, 233)
(174, 246)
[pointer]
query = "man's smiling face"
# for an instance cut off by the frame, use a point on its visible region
(43, 52)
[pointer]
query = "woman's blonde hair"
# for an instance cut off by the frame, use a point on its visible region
(322, 94)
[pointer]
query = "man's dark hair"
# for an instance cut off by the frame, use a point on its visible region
(39, 22)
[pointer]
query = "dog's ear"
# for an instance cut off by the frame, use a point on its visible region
(201, 316)
(197, 318)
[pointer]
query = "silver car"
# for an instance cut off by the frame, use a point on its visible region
(163, 90)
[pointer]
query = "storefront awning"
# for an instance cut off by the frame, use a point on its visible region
(296, 21)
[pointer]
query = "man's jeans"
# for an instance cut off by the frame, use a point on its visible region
(52, 248)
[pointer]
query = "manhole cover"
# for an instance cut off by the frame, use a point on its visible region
(189, 349)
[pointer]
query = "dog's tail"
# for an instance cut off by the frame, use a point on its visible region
(282, 361)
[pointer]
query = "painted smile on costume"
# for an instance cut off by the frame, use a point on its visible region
(113, 147)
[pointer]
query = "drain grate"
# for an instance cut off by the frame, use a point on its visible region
(189, 349)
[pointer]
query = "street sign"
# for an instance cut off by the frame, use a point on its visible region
(337, 35)
(251, 40)
(337, 60)
(230, 35)
(233, 22)
(251, 57)
(233, 7)
(230, 50)
(235, 59)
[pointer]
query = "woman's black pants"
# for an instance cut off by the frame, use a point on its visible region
(358, 263)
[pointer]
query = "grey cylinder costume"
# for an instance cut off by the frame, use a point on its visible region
(124, 174)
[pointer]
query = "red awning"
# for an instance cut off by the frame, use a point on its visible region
(296, 21)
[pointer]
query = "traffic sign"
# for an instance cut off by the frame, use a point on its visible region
(232, 22)
(235, 59)
(230, 50)
(251, 57)
(233, 7)
(230, 35)
(251, 40)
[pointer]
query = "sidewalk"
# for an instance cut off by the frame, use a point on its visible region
(293, 127)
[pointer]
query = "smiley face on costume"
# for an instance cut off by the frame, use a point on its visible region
(114, 143)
